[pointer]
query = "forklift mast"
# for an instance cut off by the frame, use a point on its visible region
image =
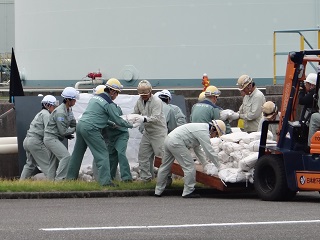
(295, 74)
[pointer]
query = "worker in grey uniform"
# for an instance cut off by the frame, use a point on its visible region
(177, 145)
(155, 130)
(207, 110)
(250, 110)
(61, 125)
(179, 115)
(270, 113)
(100, 111)
(36, 152)
(168, 112)
(116, 139)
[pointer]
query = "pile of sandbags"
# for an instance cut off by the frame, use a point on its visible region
(238, 153)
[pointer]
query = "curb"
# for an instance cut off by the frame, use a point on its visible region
(85, 194)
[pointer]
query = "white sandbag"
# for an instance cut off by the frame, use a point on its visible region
(254, 146)
(232, 175)
(225, 165)
(245, 152)
(234, 137)
(237, 155)
(215, 143)
(210, 169)
(131, 118)
(223, 157)
(248, 162)
(224, 114)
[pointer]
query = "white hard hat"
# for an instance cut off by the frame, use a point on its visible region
(157, 94)
(269, 108)
(144, 87)
(220, 126)
(49, 99)
(243, 81)
(212, 91)
(166, 92)
(311, 78)
(99, 89)
(70, 92)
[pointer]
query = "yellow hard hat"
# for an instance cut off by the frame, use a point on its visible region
(212, 91)
(243, 81)
(201, 97)
(99, 89)
(220, 127)
(144, 87)
(114, 84)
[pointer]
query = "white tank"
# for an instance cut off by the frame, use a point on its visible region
(156, 40)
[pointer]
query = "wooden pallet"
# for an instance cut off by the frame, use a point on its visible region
(211, 181)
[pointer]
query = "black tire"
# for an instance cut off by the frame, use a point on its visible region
(270, 180)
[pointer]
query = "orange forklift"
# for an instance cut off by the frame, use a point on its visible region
(290, 166)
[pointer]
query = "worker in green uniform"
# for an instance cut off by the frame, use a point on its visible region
(116, 139)
(61, 125)
(100, 111)
(36, 152)
(206, 110)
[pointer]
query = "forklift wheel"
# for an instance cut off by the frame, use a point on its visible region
(270, 179)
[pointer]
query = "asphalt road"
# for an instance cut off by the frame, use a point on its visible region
(217, 216)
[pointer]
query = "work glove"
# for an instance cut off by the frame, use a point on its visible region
(69, 136)
(139, 119)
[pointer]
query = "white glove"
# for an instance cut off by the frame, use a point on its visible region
(136, 125)
(139, 119)
(233, 116)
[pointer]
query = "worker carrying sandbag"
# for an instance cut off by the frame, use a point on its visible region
(177, 145)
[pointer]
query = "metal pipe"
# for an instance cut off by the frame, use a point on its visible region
(8, 140)
(88, 82)
(8, 148)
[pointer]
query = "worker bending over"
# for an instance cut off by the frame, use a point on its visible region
(100, 111)
(36, 152)
(177, 145)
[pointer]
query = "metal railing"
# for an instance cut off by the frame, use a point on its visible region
(303, 41)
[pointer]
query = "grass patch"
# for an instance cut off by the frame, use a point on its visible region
(67, 186)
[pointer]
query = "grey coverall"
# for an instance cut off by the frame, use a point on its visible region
(155, 131)
(177, 145)
(100, 111)
(36, 152)
(251, 110)
(61, 123)
(170, 117)
(180, 117)
(205, 111)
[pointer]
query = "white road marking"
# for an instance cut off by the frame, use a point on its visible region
(179, 226)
